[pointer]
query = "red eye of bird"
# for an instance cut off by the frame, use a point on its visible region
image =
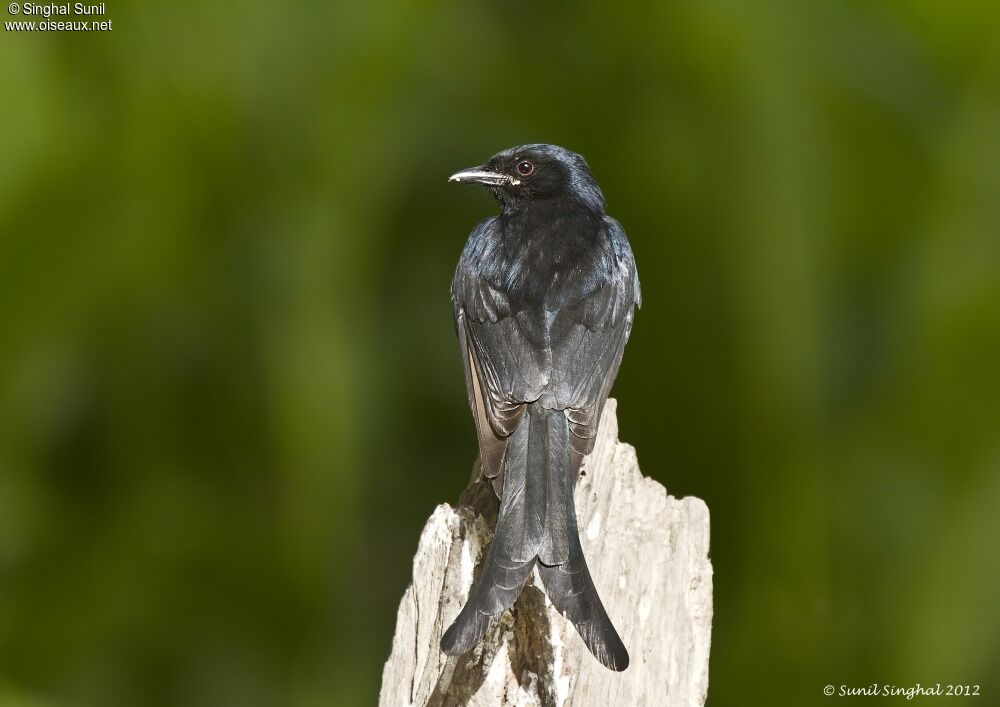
(525, 168)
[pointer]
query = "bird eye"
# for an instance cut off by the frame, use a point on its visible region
(525, 168)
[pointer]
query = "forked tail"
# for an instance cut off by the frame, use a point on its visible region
(537, 524)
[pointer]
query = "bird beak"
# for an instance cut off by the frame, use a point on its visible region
(478, 175)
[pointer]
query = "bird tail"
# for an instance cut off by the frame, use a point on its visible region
(510, 559)
(537, 524)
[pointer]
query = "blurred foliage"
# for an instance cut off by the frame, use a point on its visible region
(230, 392)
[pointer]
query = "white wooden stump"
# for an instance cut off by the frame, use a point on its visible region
(648, 554)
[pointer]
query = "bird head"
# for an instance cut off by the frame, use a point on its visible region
(531, 173)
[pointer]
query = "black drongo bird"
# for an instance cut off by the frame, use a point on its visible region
(544, 296)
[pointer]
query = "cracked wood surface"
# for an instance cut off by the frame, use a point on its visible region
(648, 554)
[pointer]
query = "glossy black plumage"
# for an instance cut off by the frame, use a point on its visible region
(543, 296)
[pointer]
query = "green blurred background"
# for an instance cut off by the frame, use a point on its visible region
(230, 391)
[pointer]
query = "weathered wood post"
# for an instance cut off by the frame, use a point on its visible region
(648, 553)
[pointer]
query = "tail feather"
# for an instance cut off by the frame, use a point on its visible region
(554, 463)
(498, 587)
(511, 556)
(537, 524)
(571, 590)
(522, 504)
